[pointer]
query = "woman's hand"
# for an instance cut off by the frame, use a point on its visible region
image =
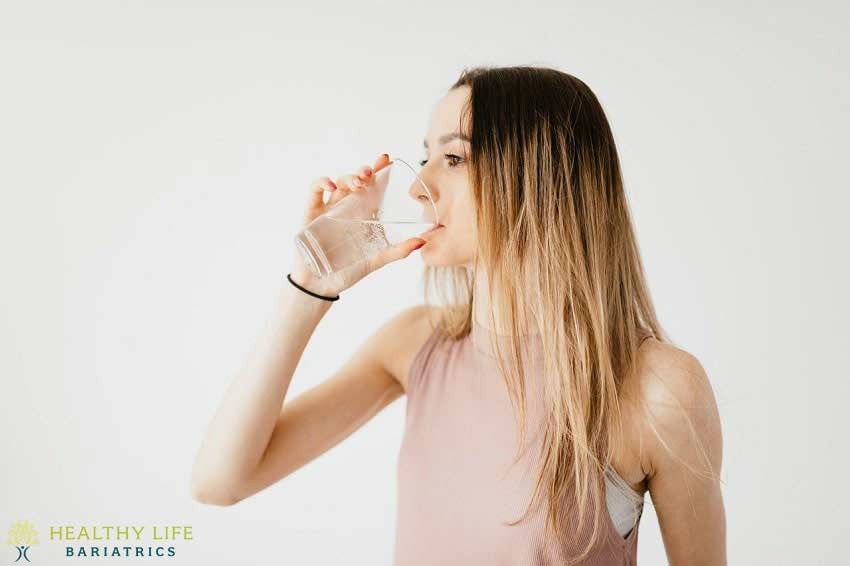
(316, 206)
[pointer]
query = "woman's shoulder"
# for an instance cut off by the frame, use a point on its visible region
(667, 374)
(404, 335)
(669, 401)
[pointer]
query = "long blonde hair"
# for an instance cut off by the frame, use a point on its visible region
(557, 242)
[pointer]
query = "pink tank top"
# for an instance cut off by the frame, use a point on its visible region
(456, 485)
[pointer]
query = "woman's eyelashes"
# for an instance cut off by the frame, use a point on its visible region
(452, 159)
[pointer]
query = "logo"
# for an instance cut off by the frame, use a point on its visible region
(22, 535)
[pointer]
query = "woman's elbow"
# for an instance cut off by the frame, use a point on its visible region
(207, 496)
(212, 493)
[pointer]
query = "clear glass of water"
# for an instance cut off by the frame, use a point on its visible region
(395, 206)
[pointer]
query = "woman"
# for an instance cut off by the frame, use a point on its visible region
(544, 399)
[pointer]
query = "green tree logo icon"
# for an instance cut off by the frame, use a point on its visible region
(22, 535)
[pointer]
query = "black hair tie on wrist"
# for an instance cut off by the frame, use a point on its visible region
(311, 293)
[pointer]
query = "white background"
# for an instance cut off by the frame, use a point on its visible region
(154, 163)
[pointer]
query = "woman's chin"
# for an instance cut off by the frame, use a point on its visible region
(432, 257)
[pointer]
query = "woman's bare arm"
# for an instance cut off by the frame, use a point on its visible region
(251, 441)
(240, 430)
(683, 455)
(255, 439)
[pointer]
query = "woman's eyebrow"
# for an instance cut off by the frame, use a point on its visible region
(447, 138)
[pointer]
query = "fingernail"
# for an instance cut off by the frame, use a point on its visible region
(368, 173)
(419, 246)
(387, 155)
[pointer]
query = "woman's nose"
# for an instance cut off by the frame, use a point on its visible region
(426, 195)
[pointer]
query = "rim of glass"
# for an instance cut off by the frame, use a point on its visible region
(393, 159)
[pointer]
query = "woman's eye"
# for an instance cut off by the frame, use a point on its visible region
(453, 160)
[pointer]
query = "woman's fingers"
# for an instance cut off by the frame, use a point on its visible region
(358, 181)
(364, 176)
(342, 186)
(366, 172)
(316, 203)
(348, 183)
(382, 161)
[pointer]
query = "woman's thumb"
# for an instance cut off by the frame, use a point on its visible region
(399, 251)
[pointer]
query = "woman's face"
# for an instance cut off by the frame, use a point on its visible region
(445, 172)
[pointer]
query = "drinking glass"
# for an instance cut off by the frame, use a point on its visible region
(394, 206)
